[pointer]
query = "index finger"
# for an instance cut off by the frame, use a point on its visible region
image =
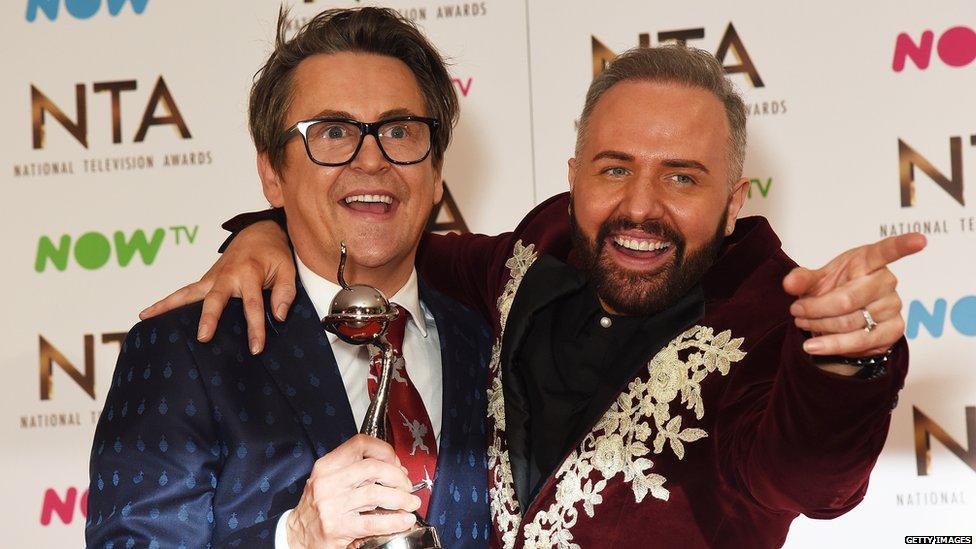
(187, 294)
(892, 249)
(356, 449)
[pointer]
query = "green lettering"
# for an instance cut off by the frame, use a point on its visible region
(764, 189)
(147, 249)
(92, 250)
(47, 251)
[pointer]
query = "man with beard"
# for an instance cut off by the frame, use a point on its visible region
(662, 374)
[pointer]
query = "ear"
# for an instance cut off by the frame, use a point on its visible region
(739, 191)
(270, 181)
(572, 173)
(438, 186)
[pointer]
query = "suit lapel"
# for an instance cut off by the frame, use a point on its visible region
(546, 280)
(460, 357)
(299, 358)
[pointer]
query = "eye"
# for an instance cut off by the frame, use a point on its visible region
(682, 179)
(396, 132)
(615, 171)
(335, 132)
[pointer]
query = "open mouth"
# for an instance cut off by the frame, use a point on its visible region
(380, 203)
(639, 252)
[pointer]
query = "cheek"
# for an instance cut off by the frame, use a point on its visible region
(697, 220)
(592, 206)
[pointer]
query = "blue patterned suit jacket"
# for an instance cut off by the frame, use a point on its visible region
(203, 445)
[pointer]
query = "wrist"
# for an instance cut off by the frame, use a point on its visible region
(294, 531)
(864, 367)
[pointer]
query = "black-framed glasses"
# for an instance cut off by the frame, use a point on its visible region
(336, 141)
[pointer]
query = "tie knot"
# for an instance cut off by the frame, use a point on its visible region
(394, 333)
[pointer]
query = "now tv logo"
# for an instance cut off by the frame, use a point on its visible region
(80, 9)
(956, 47)
(63, 507)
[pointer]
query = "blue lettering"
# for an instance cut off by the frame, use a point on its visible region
(933, 321)
(963, 315)
(82, 9)
(138, 6)
(49, 7)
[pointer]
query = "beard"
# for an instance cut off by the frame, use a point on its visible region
(635, 293)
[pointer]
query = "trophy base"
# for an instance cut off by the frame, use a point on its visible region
(418, 537)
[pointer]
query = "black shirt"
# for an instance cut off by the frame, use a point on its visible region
(575, 360)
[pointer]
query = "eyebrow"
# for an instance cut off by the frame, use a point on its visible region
(331, 113)
(682, 163)
(669, 162)
(613, 155)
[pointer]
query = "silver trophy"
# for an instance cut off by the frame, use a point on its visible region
(360, 314)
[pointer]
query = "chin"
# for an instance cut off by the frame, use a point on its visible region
(372, 254)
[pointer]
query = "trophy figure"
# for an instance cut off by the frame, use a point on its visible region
(360, 314)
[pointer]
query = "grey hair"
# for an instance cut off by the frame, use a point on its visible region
(674, 64)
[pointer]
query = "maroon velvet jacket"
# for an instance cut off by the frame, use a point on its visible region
(720, 440)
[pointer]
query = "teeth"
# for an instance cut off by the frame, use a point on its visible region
(639, 245)
(370, 198)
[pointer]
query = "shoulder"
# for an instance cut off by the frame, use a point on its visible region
(747, 279)
(175, 330)
(453, 313)
(547, 226)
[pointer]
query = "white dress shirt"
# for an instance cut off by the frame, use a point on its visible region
(421, 353)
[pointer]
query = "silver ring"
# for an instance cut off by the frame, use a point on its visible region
(869, 323)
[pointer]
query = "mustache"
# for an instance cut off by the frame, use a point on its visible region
(652, 227)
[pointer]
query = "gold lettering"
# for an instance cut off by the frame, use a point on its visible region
(41, 104)
(908, 159)
(115, 90)
(161, 94)
(926, 428)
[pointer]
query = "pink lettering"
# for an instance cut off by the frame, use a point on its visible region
(53, 504)
(957, 46)
(464, 87)
(919, 53)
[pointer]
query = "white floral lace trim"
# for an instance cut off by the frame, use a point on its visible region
(618, 443)
(504, 507)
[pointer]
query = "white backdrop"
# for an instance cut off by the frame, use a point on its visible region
(842, 85)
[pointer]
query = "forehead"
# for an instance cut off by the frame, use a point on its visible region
(652, 120)
(364, 85)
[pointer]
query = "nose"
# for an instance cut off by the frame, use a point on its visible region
(642, 200)
(370, 158)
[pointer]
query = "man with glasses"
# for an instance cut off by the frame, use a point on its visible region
(676, 380)
(209, 445)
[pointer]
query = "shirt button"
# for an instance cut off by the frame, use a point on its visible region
(606, 322)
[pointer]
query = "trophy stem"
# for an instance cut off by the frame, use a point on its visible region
(374, 424)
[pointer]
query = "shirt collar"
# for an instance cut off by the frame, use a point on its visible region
(321, 291)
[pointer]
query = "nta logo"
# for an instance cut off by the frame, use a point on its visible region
(731, 42)
(446, 216)
(48, 356)
(909, 159)
(92, 250)
(41, 106)
(80, 9)
(956, 47)
(925, 428)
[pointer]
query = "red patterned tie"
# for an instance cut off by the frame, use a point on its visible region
(410, 430)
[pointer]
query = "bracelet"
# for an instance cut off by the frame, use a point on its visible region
(864, 361)
(871, 367)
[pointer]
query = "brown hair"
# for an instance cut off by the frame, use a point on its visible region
(379, 31)
(677, 64)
